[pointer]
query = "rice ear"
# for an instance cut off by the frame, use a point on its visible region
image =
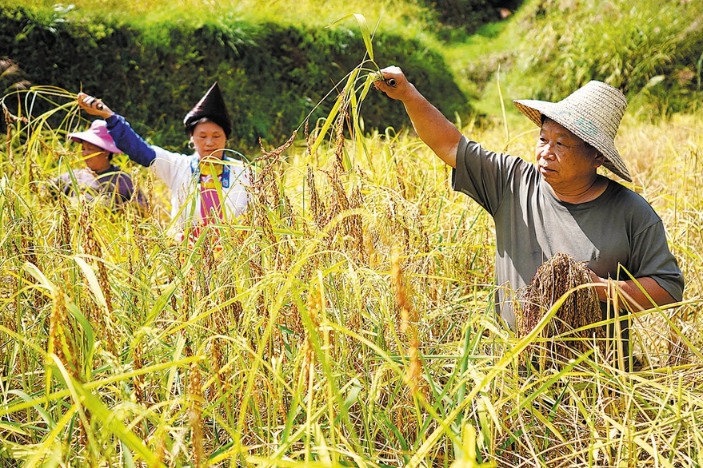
(558, 276)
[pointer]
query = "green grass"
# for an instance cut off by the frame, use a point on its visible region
(397, 16)
(649, 50)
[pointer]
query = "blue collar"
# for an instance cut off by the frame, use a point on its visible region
(195, 170)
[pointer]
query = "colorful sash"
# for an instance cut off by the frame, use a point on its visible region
(212, 179)
(210, 205)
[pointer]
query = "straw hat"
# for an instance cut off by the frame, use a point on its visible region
(211, 106)
(592, 113)
(98, 135)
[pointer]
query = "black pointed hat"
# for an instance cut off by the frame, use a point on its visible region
(211, 106)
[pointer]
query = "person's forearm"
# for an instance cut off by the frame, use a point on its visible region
(433, 127)
(129, 141)
(121, 132)
(429, 123)
(632, 292)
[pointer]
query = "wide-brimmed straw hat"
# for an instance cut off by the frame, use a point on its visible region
(592, 113)
(98, 135)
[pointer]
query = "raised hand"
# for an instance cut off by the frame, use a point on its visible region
(93, 106)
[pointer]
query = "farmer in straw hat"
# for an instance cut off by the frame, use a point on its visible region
(561, 205)
(207, 187)
(100, 177)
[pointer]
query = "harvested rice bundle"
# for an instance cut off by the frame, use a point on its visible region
(553, 279)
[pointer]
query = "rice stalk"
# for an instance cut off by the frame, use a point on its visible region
(92, 248)
(63, 232)
(355, 226)
(408, 326)
(195, 415)
(568, 334)
(60, 342)
(317, 205)
(138, 380)
(314, 309)
(339, 165)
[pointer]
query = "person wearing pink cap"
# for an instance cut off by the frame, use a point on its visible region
(207, 186)
(100, 177)
(561, 204)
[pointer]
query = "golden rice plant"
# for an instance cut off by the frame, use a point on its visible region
(572, 330)
(283, 345)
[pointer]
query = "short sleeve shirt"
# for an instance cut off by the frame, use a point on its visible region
(617, 233)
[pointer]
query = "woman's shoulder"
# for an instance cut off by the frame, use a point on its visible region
(174, 157)
(82, 176)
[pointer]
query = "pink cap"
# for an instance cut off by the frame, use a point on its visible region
(98, 135)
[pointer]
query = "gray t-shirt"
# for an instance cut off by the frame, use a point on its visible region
(617, 230)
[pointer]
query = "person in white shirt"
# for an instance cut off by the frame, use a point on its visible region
(207, 186)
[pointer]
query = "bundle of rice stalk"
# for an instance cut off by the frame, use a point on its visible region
(553, 279)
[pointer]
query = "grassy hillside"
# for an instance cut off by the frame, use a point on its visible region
(652, 53)
(401, 13)
(153, 68)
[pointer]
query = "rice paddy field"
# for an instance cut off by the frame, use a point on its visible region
(345, 320)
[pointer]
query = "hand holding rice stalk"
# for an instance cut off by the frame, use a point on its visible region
(32, 104)
(570, 332)
(391, 80)
(380, 77)
(36, 111)
(93, 106)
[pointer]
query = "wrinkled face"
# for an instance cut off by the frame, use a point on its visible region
(209, 140)
(96, 158)
(563, 158)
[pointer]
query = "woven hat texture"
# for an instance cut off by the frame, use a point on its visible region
(592, 113)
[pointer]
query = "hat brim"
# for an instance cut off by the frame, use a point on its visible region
(92, 138)
(534, 109)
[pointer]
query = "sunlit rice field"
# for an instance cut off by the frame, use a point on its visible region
(345, 320)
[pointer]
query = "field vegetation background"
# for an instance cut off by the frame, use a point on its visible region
(347, 319)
